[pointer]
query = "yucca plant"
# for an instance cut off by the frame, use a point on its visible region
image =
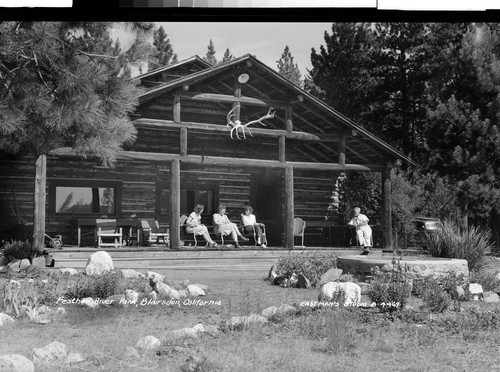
(450, 242)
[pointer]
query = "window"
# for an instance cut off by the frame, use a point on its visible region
(189, 198)
(85, 197)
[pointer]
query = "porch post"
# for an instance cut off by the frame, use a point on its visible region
(39, 201)
(289, 207)
(342, 150)
(175, 202)
(386, 208)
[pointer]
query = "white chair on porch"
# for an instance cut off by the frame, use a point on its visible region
(155, 232)
(108, 234)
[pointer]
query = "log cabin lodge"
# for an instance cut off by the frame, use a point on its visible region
(186, 153)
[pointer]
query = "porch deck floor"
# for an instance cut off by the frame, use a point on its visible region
(204, 258)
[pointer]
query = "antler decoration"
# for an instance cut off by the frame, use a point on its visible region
(236, 125)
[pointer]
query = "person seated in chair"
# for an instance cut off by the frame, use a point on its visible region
(226, 227)
(363, 230)
(194, 225)
(250, 225)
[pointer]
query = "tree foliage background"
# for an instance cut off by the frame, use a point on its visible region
(433, 91)
(67, 84)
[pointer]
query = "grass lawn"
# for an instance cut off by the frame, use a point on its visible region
(326, 340)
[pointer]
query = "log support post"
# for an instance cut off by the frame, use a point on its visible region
(282, 154)
(342, 150)
(288, 119)
(39, 204)
(184, 140)
(289, 208)
(237, 93)
(386, 208)
(175, 202)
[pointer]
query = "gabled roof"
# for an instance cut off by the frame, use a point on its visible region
(173, 71)
(310, 114)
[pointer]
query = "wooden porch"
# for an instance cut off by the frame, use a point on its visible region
(248, 258)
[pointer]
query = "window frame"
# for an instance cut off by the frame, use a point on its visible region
(194, 187)
(90, 183)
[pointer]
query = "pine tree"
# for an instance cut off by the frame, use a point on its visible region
(288, 69)
(210, 56)
(163, 53)
(227, 56)
(464, 134)
(65, 85)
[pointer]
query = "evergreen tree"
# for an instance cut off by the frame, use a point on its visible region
(227, 56)
(341, 68)
(65, 85)
(464, 134)
(287, 68)
(163, 53)
(210, 56)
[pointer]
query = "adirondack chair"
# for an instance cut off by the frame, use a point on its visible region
(299, 227)
(154, 233)
(107, 230)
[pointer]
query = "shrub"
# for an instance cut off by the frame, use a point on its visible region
(311, 266)
(435, 297)
(450, 242)
(390, 291)
(18, 250)
(97, 286)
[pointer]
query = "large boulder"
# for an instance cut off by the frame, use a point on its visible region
(350, 292)
(55, 351)
(331, 275)
(16, 363)
(99, 263)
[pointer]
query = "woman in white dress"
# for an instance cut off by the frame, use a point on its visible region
(194, 225)
(250, 225)
(226, 227)
(363, 229)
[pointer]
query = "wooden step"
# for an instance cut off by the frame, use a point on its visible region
(236, 259)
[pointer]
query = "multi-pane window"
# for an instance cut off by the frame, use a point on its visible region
(85, 197)
(85, 200)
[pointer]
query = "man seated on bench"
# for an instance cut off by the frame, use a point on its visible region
(226, 227)
(250, 225)
(194, 225)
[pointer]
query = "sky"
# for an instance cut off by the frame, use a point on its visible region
(266, 41)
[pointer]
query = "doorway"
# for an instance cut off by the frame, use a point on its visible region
(267, 201)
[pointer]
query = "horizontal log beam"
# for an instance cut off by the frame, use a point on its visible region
(224, 162)
(259, 132)
(215, 97)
